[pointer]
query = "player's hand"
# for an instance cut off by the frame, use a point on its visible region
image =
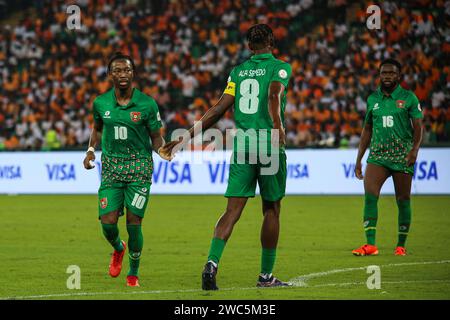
(172, 147)
(358, 170)
(166, 153)
(411, 157)
(90, 156)
(278, 134)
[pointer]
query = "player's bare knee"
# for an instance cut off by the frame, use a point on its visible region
(232, 215)
(405, 197)
(133, 219)
(271, 208)
(110, 218)
(271, 214)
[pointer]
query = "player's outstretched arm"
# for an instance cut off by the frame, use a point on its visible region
(207, 121)
(411, 157)
(366, 136)
(158, 144)
(276, 90)
(96, 136)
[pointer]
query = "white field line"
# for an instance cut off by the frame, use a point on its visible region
(345, 284)
(300, 281)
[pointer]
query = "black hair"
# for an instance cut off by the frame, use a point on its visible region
(393, 62)
(260, 36)
(120, 56)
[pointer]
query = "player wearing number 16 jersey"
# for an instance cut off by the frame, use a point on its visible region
(125, 120)
(393, 128)
(257, 89)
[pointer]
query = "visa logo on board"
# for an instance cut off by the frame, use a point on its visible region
(172, 172)
(61, 172)
(10, 172)
(423, 170)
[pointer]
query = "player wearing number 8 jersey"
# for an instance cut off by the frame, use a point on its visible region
(257, 89)
(124, 119)
(393, 128)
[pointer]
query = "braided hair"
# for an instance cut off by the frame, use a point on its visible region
(260, 36)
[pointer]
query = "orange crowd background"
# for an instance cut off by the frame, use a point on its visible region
(184, 51)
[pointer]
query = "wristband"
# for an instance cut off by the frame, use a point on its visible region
(91, 149)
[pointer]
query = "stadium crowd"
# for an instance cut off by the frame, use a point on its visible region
(184, 51)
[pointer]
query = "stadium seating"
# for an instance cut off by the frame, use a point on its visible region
(185, 50)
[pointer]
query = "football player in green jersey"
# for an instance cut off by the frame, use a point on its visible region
(257, 89)
(125, 119)
(393, 129)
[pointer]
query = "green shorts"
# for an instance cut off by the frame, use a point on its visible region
(393, 166)
(115, 196)
(243, 178)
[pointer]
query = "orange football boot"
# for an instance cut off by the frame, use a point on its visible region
(366, 250)
(116, 261)
(132, 281)
(400, 251)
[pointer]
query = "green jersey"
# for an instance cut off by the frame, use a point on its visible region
(249, 83)
(390, 116)
(126, 149)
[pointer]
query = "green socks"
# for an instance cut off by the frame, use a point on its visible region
(370, 217)
(135, 245)
(216, 250)
(111, 233)
(268, 260)
(404, 221)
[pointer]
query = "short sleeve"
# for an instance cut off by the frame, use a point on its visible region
(154, 118)
(414, 108)
(282, 73)
(368, 118)
(231, 84)
(95, 113)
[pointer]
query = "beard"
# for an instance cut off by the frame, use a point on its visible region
(390, 87)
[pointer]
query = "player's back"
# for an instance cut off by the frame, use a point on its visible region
(252, 80)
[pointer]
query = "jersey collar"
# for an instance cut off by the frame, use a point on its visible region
(393, 95)
(262, 56)
(130, 104)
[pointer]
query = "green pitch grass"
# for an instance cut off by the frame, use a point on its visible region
(42, 235)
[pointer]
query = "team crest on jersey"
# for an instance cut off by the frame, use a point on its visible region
(135, 116)
(104, 202)
(400, 104)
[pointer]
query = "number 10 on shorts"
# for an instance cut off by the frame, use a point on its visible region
(138, 201)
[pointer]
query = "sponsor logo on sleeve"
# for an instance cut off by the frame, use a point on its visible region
(282, 74)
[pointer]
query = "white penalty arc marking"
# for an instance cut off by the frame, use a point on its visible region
(346, 284)
(300, 281)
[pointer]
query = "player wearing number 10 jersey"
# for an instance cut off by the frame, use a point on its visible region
(257, 89)
(124, 118)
